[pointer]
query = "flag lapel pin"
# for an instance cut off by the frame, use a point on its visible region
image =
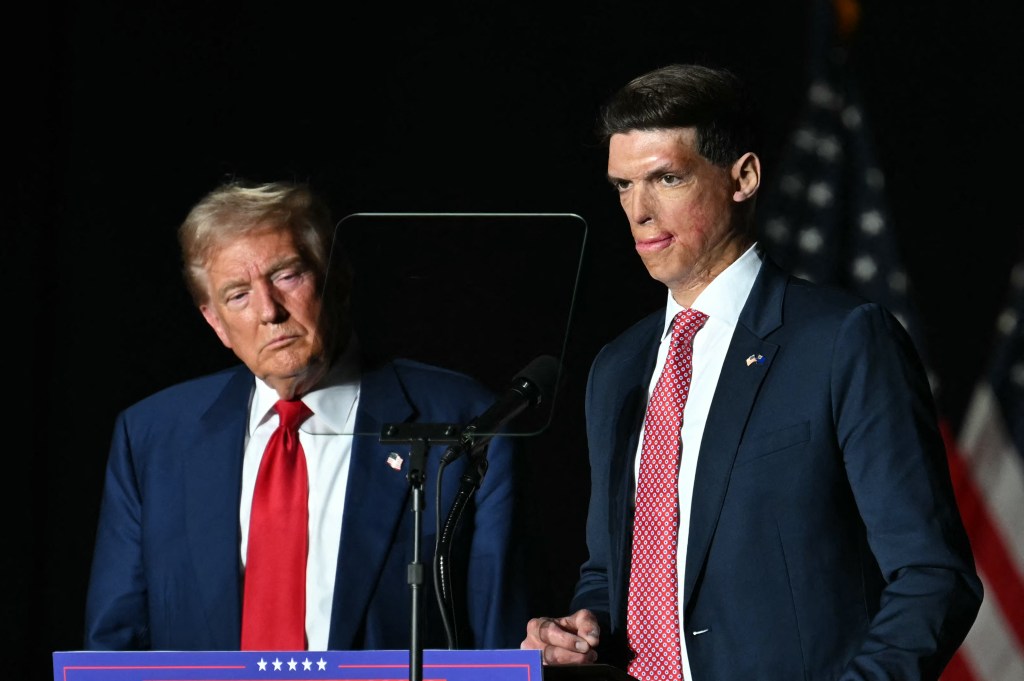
(755, 359)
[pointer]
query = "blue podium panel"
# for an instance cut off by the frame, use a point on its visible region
(367, 665)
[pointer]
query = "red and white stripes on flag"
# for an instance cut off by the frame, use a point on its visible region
(987, 462)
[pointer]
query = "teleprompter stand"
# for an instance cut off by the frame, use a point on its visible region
(420, 436)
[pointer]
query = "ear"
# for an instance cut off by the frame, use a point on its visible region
(746, 174)
(213, 319)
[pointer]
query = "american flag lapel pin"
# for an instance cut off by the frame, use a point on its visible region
(755, 359)
(395, 461)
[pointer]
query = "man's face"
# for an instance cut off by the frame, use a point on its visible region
(264, 304)
(679, 205)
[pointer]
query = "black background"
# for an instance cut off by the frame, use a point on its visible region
(122, 117)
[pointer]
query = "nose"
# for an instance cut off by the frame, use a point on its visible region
(638, 204)
(269, 306)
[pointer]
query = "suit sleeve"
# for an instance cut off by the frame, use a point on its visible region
(116, 611)
(496, 588)
(896, 465)
(596, 586)
(592, 588)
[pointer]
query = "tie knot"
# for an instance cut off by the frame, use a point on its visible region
(687, 323)
(292, 413)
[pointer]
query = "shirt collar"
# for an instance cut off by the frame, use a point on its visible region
(724, 297)
(331, 401)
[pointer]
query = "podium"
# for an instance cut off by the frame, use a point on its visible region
(365, 665)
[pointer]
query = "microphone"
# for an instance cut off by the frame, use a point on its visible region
(532, 386)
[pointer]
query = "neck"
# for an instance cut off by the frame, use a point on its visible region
(686, 291)
(294, 387)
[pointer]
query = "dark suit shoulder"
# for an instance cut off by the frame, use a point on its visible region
(417, 371)
(823, 297)
(828, 307)
(432, 390)
(193, 396)
(636, 337)
(420, 375)
(775, 284)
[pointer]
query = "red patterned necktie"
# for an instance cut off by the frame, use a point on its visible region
(274, 607)
(652, 621)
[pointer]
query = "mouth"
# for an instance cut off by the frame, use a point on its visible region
(280, 342)
(654, 244)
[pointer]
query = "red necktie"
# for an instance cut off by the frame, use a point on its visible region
(652, 621)
(274, 609)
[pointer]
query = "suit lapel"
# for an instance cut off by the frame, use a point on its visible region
(212, 494)
(375, 500)
(734, 397)
(636, 371)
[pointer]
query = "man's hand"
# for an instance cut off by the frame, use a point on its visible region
(564, 640)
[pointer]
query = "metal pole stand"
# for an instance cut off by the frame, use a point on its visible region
(420, 436)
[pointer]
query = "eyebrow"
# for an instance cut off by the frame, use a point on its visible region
(653, 173)
(295, 260)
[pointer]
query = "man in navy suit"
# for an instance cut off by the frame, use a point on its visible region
(170, 553)
(818, 536)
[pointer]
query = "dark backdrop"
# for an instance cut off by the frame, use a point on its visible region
(125, 116)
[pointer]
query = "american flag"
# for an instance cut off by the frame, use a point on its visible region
(825, 218)
(987, 461)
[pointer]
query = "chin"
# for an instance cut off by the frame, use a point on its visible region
(284, 370)
(661, 277)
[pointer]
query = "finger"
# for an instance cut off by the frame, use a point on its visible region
(553, 633)
(556, 655)
(584, 624)
(533, 638)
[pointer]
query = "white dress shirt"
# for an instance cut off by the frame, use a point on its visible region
(326, 439)
(722, 301)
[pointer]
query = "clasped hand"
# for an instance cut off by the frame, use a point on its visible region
(564, 640)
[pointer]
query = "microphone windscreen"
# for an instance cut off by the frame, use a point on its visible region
(543, 373)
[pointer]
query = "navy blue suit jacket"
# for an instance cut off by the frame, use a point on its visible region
(166, 567)
(824, 540)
